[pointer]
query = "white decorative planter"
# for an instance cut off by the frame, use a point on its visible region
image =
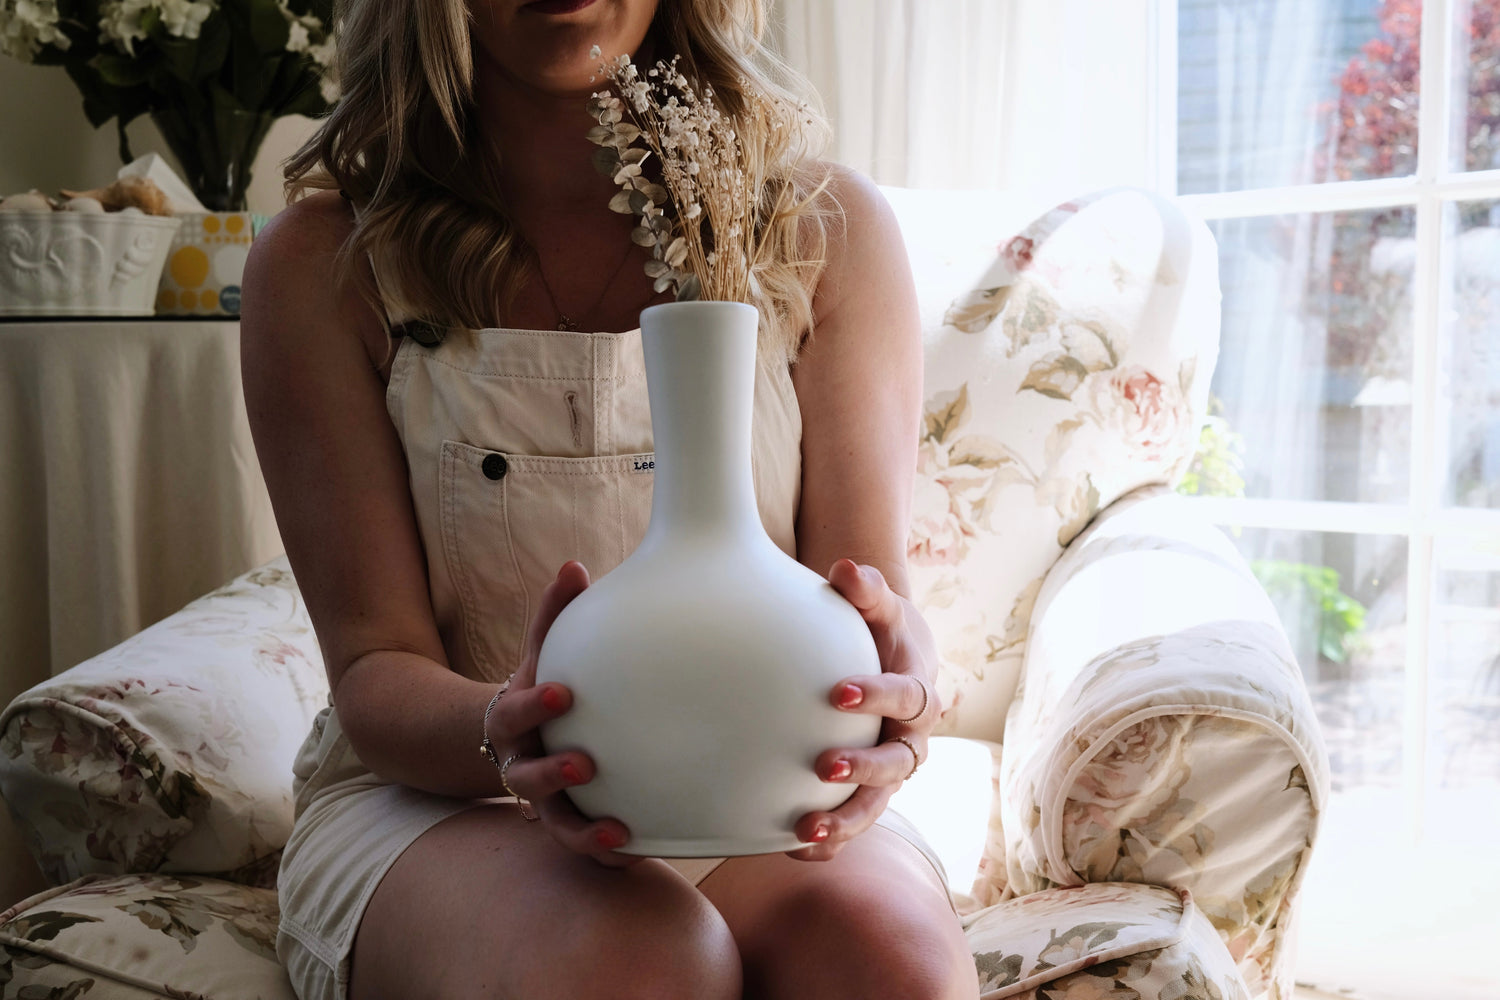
(77, 264)
(702, 665)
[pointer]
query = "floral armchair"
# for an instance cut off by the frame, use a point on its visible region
(1130, 778)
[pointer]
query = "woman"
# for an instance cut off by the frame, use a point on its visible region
(473, 221)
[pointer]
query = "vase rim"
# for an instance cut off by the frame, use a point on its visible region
(702, 305)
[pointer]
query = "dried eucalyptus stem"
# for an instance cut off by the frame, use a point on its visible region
(701, 222)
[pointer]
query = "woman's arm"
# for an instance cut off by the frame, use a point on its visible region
(311, 353)
(859, 388)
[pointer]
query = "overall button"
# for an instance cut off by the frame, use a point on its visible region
(493, 466)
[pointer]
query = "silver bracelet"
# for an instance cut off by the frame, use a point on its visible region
(485, 746)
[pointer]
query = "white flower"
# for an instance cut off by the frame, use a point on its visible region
(297, 38)
(120, 20)
(322, 54)
(184, 18)
(27, 25)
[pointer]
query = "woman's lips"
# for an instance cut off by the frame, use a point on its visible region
(556, 6)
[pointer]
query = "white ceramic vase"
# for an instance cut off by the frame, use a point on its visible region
(702, 665)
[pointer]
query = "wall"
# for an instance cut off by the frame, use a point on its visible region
(47, 143)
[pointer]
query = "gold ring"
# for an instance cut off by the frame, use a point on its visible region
(916, 761)
(921, 711)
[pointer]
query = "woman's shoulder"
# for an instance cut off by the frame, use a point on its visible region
(295, 272)
(312, 226)
(864, 238)
(854, 196)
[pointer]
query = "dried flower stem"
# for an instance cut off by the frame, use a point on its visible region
(703, 221)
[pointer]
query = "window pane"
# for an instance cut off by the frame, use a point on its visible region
(1476, 53)
(1313, 380)
(1279, 92)
(1465, 690)
(1342, 598)
(1472, 336)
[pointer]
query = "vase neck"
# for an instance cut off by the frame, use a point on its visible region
(700, 377)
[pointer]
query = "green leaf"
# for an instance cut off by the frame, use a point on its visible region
(308, 99)
(193, 60)
(980, 451)
(268, 28)
(1056, 375)
(48, 924)
(120, 70)
(606, 160)
(974, 311)
(947, 414)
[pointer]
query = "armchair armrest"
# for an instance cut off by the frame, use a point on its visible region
(1164, 733)
(171, 752)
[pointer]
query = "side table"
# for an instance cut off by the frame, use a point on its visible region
(128, 482)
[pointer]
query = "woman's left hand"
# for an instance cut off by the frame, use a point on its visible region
(904, 694)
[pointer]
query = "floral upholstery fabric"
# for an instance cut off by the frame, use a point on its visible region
(1067, 363)
(172, 751)
(136, 936)
(1110, 941)
(1160, 751)
(1164, 733)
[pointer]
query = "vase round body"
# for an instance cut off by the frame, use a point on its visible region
(702, 666)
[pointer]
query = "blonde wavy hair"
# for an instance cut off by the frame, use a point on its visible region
(402, 144)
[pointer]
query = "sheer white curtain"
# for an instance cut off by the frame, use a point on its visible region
(1045, 96)
(1269, 67)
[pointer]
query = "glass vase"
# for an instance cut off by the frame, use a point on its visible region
(215, 151)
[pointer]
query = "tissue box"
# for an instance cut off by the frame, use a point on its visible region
(205, 265)
(81, 264)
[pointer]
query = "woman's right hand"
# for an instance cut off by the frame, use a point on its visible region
(541, 780)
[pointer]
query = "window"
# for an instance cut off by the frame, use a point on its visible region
(1346, 154)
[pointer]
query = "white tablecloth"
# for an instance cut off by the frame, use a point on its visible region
(128, 483)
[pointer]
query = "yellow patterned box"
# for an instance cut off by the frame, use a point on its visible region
(206, 264)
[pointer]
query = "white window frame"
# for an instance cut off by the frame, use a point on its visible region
(1464, 537)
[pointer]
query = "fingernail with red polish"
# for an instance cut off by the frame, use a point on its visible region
(608, 839)
(571, 774)
(819, 834)
(553, 699)
(850, 696)
(841, 769)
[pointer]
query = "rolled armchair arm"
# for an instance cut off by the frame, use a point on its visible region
(1163, 733)
(171, 752)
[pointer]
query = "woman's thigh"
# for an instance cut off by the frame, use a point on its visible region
(874, 921)
(487, 905)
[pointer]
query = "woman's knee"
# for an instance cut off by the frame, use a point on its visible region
(863, 942)
(654, 937)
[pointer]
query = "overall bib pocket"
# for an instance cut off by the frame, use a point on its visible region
(509, 522)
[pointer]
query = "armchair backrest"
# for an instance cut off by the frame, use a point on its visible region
(1068, 359)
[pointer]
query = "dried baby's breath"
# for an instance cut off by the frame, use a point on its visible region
(703, 219)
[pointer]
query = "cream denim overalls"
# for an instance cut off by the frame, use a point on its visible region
(526, 448)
